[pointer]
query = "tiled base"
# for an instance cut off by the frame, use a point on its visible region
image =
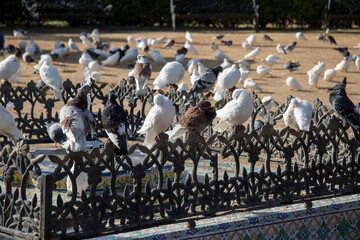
(333, 218)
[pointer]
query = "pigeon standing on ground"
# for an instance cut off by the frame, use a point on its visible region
(28, 58)
(246, 45)
(194, 76)
(85, 59)
(20, 33)
(169, 43)
(72, 45)
(142, 74)
(263, 71)
(157, 57)
(291, 66)
(9, 66)
(293, 84)
(313, 78)
(214, 46)
(111, 60)
(332, 40)
(253, 54)
(227, 42)
(171, 73)
(114, 120)
(226, 64)
(51, 77)
(219, 55)
(300, 35)
(329, 74)
(244, 72)
(344, 51)
(218, 37)
(190, 47)
(251, 39)
(271, 60)
(249, 83)
(344, 107)
(319, 68)
(267, 38)
(86, 42)
(290, 46)
(206, 80)
(130, 57)
(235, 112)
(227, 80)
(342, 66)
(55, 133)
(8, 125)
(298, 114)
(96, 76)
(158, 119)
(280, 48)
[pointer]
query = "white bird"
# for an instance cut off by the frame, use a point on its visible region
(319, 68)
(280, 48)
(194, 76)
(226, 64)
(298, 114)
(249, 83)
(8, 125)
(131, 40)
(95, 66)
(111, 60)
(313, 78)
(262, 70)
(160, 40)
(157, 57)
(236, 112)
(253, 54)
(269, 100)
(158, 119)
(86, 42)
(142, 74)
(251, 39)
(85, 59)
(95, 35)
(188, 36)
(130, 57)
(214, 46)
(300, 35)
(201, 68)
(51, 77)
(242, 62)
(43, 58)
(244, 73)
(192, 66)
(329, 74)
(226, 80)
(72, 45)
(142, 43)
(190, 47)
(180, 58)
(271, 60)
(342, 66)
(61, 52)
(357, 62)
(171, 73)
(246, 45)
(219, 55)
(19, 34)
(9, 66)
(57, 44)
(183, 87)
(15, 77)
(293, 84)
(96, 76)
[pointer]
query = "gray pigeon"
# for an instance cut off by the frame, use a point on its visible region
(267, 37)
(290, 46)
(206, 80)
(344, 107)
(55, 133)
(291, 66)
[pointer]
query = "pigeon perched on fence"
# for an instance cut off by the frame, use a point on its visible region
(171, 73)
(142, 74)
(51, 77)
(298, 114)
(227, 80)
(114, 120)
(55, 133)
(9, 66)
(8, 125)
(206, 80)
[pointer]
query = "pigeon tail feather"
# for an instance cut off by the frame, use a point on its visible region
(149, 139)
(221, 126)
(177, 132)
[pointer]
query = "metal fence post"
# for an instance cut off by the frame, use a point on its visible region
(45, 206)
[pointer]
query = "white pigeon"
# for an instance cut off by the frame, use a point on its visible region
(96, 76)
(81, 182)
(85, 59)
(313, 78)
(57, 44)
(271, 60)
(9, 66)
(159, 40)
(15, 77)
(214, 46)
(236, 112)
(130, 57)
(298, 114)
(190, 47)
(342, 66)
(158, 119)
(293, 84)
(251, 39)
(157, 57)
(95, 66)
(188, 36)
(247, 46)
(269, 100)
(86, 42)
(263, 71)
(95, 35)
(43, 58)
(249, 83)
(192, 66)
(329, 74)
(72, 45)
(243, 63)
(201, 68)
(253, 54)
(51, 77)
(142, 43)
(226, 80)
(219, 55)
(180, 58)
(357, 62)
(8, 125)
(244, 73)
(171, 73)
(61, 52)
(319, 68)
(300, 35)
(19, 34)
(194, 76)
(131, 40)
(280, 48)
(111, 60)
(226, 64)
(183, 87)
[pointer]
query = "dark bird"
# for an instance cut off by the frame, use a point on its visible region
(344, 107)
(169, 43)
(227, 43)
(344, 51)
(332, 40)
(196, 118)
(267, 37)
(218, 37)
(290, 46)
(182, 50)
(114, 120)
(291, 66)
(92, 53)
(206, 80)
(18, 53)
(55, 133)
(103, 45)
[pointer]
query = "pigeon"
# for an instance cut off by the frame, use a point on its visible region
(182, 50)
(269, 100)
(251, 39)
(77, 121)
(15, 77)
(95, 35)
(322, 37)
(332, 40)
(280, 49)
(218, 37)
(214, 46)
(206, 80)
(267, 38)
(72, 45)
(131, 56)
(313, 78)
(342, 66)
(290, 46)
(219, 55)
(329, 74)
(57, 44)
(95, 66)
(357, 62)
(190, 47)
(8, 125)
(227, 80)
(158, 119)
(60, 52)
(55, 133)
(20, 33)
(319, 68)
(244, 73)
(249, 83)
(298, 114)
(157, 57)
(195, 119)
(247, 46)
(28, 58)
(131, 40)
(226, 64)
(22, 46)
(111, 60)
(194, 76)
(180, 58)
(85, 59)
(142, 74)
(51, 77)
(192, 66)
(253, 54)
(103, 46)
(171, 73)
(291, 66)
(293, 84)
(43, 58)
(183, 87)
(86, 42)
(9, 66)
(344, 51)
(169, 43)
(227, 42)
(344, 107)
(236, 112)
(96, 76)
(263, 71)
(201, 68)
(300, 35)
(114, 120)
(271, 60)
(40, 84)
(142, 44)
(188, 36)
